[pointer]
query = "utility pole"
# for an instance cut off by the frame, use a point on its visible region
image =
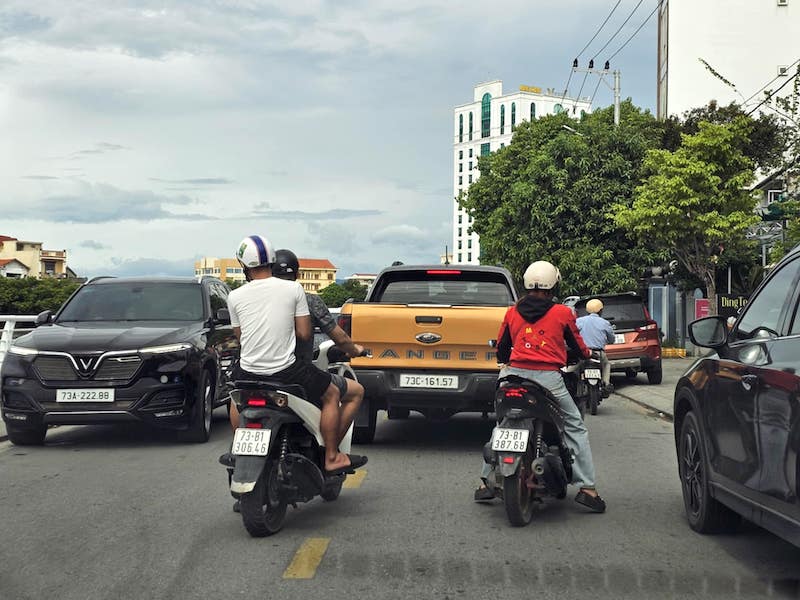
(606, 70)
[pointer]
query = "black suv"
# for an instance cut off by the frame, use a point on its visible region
(154, 350)
(737, 413)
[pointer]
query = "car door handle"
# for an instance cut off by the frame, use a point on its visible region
(749, 381)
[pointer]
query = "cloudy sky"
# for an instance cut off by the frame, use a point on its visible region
(142, 135)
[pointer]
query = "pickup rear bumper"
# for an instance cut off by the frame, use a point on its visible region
(475, 392)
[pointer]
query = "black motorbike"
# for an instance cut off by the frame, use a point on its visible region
(583, 378)
(528, 450)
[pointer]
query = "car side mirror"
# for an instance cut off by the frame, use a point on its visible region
(44, 317)
(709, 332)
(222, 317)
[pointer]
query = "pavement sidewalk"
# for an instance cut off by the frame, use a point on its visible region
(656, 397)
(3, 434)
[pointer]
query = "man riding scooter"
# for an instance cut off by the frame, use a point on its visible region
(597, 332)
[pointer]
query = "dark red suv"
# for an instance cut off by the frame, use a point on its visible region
(637, 344)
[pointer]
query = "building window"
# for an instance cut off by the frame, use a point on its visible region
(460, 167)
(459, 232)
(503, 145)
(469, 243)
(470, 125)
(470, 166)
(460, 179)
(460, 154)
(485, 149)
(502, 119)
(460, 218)
(469, 179)
(469, 256)
(533, 111)
(470, 152)
(486, 115)
(513, 116)
(558, 109)
(459, 244)
(460, 128)
(459, 256)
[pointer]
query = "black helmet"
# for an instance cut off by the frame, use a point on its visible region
(286, 264)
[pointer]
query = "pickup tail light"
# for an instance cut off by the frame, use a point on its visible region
(346, 323)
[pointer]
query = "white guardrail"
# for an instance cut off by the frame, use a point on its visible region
(7, 335)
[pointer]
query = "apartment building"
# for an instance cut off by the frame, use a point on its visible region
(315, 273)
(223, 268)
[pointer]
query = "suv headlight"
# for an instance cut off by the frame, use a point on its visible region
(165, 349)
(22, 351)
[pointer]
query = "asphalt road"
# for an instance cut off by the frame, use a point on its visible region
(110, 512)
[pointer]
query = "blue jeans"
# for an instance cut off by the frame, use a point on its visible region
(577, 437)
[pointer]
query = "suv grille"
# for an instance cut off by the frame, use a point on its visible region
(122, 367)
(57, 368)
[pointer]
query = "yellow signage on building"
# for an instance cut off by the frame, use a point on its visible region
(530, 88)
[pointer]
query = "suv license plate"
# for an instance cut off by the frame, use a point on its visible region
(85, 395)
(619, 338)
(447, 382)
(510, 440)
(591, 374)
(251, 442)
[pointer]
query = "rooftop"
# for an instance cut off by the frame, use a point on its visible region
(315, 263)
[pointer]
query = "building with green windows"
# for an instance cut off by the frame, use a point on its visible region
(486, 125)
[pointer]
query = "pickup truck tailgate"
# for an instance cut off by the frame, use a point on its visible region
(427, 337)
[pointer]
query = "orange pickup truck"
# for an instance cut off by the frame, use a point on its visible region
(429, 329)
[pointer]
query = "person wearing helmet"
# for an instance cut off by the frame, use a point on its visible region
(532, 343)
(597, 332)
(351, 392)
(268, 315)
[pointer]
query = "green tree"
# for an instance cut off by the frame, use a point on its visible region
(31, 296)
(335, 294)
(234, 283)
(546, 196)
(695, 200)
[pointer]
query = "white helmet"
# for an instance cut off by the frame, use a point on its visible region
(594, 306)
(541, 275)
(255, 251)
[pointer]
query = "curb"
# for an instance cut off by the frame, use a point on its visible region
(660, 414)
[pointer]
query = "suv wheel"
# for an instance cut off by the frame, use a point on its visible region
(705, 514)
(25, 436)
(200, 422)
(365, 435)
(655, 375)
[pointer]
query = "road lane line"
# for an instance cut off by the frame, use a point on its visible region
(355, 480)
(307, 558)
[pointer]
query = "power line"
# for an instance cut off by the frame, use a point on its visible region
(597, 87)
(616, 33)
(578, 97)
(771, 94)
(770, 82)
(638, 29)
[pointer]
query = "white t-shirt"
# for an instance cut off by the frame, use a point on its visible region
(265, 309)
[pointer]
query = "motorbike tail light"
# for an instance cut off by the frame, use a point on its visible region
(254, 425)
(256, 401)
(518, 392)
(508, 460)
(346, 323)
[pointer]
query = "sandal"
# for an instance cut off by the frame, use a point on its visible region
(484, 494)
(356, 461)
(594, 503)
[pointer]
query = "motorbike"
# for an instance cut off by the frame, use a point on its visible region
(583, 379)
(279, 454)
(527, 449)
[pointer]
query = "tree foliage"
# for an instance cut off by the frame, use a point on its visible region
(31, 296)
(695, 200)
(546, 196)
(335, 294)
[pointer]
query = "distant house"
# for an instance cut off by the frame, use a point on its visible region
(364, 279)
(12, 268)
(316, 274)
(39, 262)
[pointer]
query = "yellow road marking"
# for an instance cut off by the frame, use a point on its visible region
(307, 558)
(355, 480)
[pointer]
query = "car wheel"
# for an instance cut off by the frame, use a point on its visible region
(199, 429)
(654, 376)
(366, 435)
(25, 436)
(705, 514)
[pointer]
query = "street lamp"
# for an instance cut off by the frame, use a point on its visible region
(571, 130)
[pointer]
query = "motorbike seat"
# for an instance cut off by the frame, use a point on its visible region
(273, 385)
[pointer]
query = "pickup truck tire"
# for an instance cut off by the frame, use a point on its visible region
(366, 435)
(398, 413)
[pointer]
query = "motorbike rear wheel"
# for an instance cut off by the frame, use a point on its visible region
(594, 398)
(264, 509)
(517, 496)
(331, 492)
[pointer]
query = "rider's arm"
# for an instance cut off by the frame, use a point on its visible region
(237, 331)
(573, 337)
(504, 342)
(302, 328)
(609, 334)
(343, 341)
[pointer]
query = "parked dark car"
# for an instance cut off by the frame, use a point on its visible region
(637, 344)
(737, 414)
(152, 350)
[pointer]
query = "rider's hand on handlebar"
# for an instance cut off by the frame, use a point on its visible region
(595, 354)
(358, 350)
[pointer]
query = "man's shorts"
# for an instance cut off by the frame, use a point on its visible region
(341, 383)
(314, 381)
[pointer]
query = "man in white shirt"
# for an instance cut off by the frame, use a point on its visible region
(268, 315)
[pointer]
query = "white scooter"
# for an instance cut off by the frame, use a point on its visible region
(278, 448)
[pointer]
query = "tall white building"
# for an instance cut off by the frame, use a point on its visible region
(748, 42)
(486, 125)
